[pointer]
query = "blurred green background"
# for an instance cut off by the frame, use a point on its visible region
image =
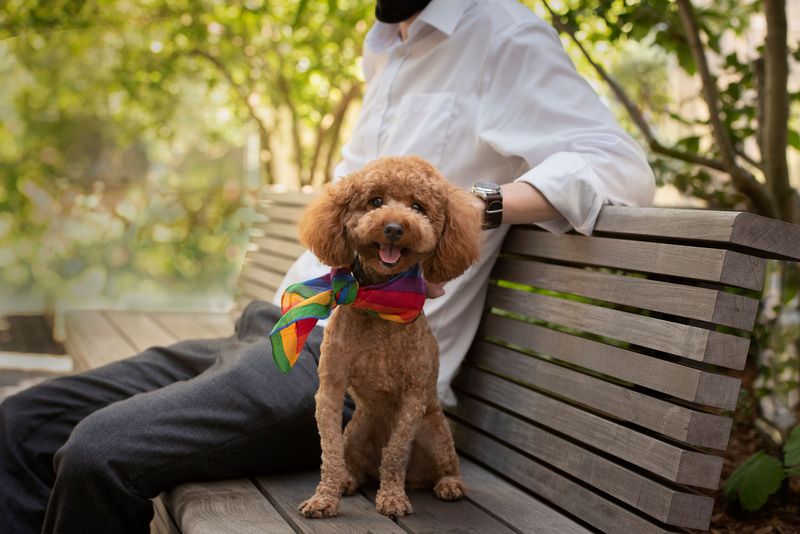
(136, 134)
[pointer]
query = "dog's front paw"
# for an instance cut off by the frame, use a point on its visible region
(393, 504)
(320, 506)
(450, 488)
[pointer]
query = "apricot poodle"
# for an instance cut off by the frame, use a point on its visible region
(388, 217)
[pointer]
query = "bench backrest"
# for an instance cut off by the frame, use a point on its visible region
(605, 367)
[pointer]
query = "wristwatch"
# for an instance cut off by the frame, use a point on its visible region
(490, 193)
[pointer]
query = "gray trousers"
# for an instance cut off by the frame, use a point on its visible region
(86, 453)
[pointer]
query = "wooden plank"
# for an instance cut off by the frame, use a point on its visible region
(162, 521)
(269, 261)
(261, 276)
(773, 238)
(512, 505)
(696, 263)
(587, 505)
(668, 505)
(289, 198)
(255, 291)
(292, 249)
(228, 506)
(432, 515)
(678, 422)
(278, 212)
(281, 230)
(195, 325)
(700, 303)
(677, 380)
(664, 459)
(688, 341)
(93, 341)
(140, 329)
(356, 514)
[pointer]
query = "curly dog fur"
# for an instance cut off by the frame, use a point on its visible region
(398, 433)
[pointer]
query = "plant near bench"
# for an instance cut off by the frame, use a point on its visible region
(762, 474)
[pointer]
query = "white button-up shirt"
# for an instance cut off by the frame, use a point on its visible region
(484, 90)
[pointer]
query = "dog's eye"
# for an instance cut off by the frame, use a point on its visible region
(376, 202)
(417, 207)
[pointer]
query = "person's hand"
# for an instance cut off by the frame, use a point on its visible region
(434, 290)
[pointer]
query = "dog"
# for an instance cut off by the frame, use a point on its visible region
(394, 215)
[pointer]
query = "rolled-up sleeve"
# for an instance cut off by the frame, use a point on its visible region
(535, 106)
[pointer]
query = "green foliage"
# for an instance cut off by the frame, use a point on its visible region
(755, 480)
(761, 475)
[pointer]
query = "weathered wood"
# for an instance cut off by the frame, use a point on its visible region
(92, 340)
(513, 506)
(229, 506)
(141, 330)
(356, 514)
(678, 422)
(269, 260)
(587, 505)
(432, 515)
(674, 338)
(288, 198)
(695, 263)
(278, 212)
(700, 303)
(681, 381)
(162, 520)
(290, 249)
(260, 276)
(188, 325)
(642, 493)
(282, 230)
(654, 455)
(768, 237)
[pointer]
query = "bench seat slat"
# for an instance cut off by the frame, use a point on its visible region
(255, 291)
(661, 502)
(278, 212)
(269, 260)
(278, 229)
(356, 514)
(677, 422)
(287, 198)
(699, 303)
(282, 247)
(512, 505)
(227, 506)
(141, 329)
(696, 263)
(688, 341)
(681, 381)
(260, 276)
(188, 325)
(664, 459)
(587, 505)
(92, 340)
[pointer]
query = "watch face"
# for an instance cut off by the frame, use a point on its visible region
(487, 187)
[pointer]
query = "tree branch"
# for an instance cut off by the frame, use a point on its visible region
(283, 86)
(774, 129)
(633, 111)
(244, 94)
(336, 127)
(743, 180)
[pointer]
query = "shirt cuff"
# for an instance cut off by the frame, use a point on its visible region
(572, 186)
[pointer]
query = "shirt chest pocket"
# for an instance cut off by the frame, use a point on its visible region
(419, 126)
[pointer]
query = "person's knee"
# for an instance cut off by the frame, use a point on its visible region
(91, 455)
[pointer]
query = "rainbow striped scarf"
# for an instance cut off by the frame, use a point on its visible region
(399, 300)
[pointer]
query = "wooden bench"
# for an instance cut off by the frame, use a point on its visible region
(597, 395)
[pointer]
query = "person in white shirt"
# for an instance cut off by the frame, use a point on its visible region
(483, 90)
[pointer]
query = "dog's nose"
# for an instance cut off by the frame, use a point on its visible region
(393, 231)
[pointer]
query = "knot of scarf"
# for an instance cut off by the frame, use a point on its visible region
(399, 299)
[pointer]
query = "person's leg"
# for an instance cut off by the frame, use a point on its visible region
(36, 422)
(242, 417)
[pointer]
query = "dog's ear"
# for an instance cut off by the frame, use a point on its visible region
(460, 243)
(322, 225)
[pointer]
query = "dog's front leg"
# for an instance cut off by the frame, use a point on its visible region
(391, 499)
(325, 502)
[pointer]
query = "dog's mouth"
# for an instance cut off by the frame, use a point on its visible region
(390, 253)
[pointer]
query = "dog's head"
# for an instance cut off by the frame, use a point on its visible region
(392, 214)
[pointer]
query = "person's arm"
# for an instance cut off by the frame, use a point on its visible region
(573, 156)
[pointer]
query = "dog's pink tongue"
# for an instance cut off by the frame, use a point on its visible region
(389, 253)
